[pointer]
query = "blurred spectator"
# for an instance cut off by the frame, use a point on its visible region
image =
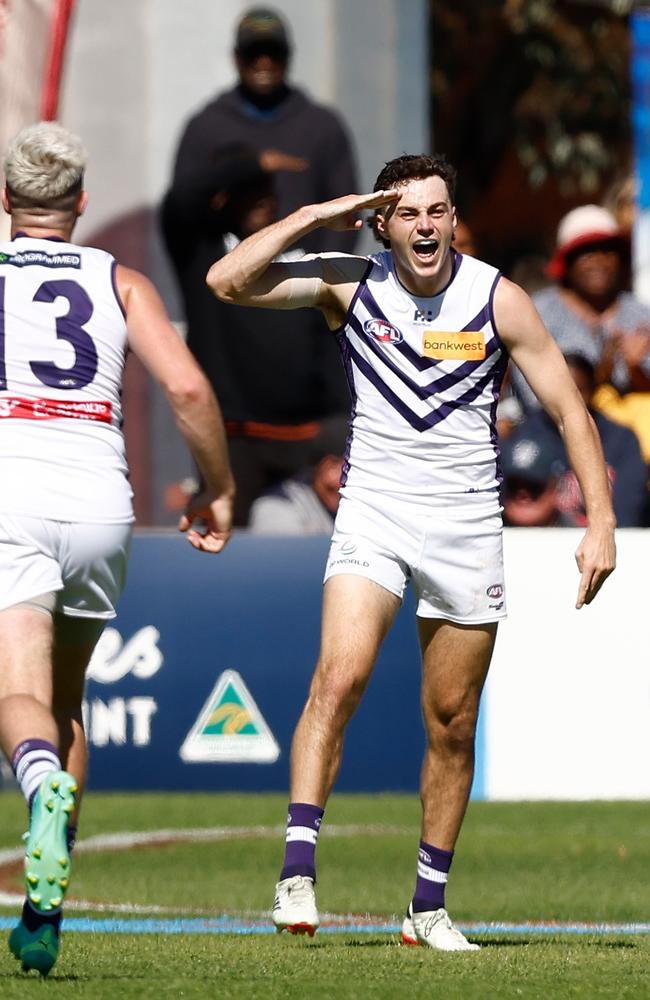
(304, 145)
(627, 470)
(253, 154)
(530, 477)
(589, 313)
(306, 504)
(272, 399)
(529, 271)
(621, 200)
(464, 241)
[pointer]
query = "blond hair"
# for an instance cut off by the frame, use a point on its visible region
(44, 167)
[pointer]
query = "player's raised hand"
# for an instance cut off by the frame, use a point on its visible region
(214, 515)
(343, 213)
(596, 559)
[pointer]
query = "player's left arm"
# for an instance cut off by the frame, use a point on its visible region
(540, 360)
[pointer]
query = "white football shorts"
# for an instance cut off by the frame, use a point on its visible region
(452, 552)
(85, 564)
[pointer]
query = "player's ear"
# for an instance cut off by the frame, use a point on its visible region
(5, 201)
(380, 224)
(82, 202)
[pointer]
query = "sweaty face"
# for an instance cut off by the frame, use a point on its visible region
(420, 227)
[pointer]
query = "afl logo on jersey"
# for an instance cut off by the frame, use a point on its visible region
(382, 331)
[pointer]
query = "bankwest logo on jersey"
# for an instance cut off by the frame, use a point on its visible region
(230, 728)
(461, 345)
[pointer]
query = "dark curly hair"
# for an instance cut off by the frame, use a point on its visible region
(412, 166)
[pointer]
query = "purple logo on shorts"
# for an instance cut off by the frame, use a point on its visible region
(495, 591)
(385, 332)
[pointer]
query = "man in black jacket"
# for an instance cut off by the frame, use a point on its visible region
(258, 151)
(304, 145)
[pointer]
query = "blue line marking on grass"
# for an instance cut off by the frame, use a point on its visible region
(230, 925)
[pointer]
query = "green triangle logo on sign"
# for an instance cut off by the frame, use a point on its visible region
(230, 728)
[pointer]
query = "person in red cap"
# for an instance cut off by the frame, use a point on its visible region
(587, 309)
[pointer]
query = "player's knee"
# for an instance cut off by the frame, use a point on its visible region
(336, 692)
(454, 729)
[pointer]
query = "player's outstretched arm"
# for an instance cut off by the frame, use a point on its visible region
(248, 276)
(536, 353)
(157, 344)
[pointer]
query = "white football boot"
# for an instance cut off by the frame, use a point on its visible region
(434, 929)
(294, 906)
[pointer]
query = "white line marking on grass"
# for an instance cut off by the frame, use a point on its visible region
(168, 837)
(182, 920)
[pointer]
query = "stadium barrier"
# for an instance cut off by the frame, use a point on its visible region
(201, 680)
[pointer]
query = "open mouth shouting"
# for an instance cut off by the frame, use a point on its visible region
(425, 250)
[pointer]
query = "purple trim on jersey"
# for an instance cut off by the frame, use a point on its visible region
(480, 320)
(116, 293)
(52, 239)
(344, 347)
(472, 393)
(494, 438)
(455, 267)
(438, 385)
(421, 363)
(457, 259)
(366, 369)
(492, 319)
(353, 301)
(435, 416)
(494, 434)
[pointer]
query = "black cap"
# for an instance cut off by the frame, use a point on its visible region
(261, 26)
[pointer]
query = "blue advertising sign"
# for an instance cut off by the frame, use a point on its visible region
(199, 682)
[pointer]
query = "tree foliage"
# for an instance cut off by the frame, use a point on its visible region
(549, 79)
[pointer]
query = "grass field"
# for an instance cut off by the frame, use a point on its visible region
(516, 864)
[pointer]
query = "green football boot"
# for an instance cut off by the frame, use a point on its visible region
(47, 859)
(37, 949)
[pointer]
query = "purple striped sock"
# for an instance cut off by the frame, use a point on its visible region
(433, 868)
(303, 824)
(31, 761)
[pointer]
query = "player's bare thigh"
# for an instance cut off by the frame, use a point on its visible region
(26, 653)
(455, 660)
(357, 614)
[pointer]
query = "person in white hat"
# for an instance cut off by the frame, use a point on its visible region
(587, 309)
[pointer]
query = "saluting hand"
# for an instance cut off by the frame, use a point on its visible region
(342, 213)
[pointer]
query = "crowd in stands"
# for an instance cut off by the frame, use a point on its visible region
(263, 148)
(603, 331)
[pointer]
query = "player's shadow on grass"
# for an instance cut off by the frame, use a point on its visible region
(612, 944)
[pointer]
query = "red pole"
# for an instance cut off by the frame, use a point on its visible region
(59, 25)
